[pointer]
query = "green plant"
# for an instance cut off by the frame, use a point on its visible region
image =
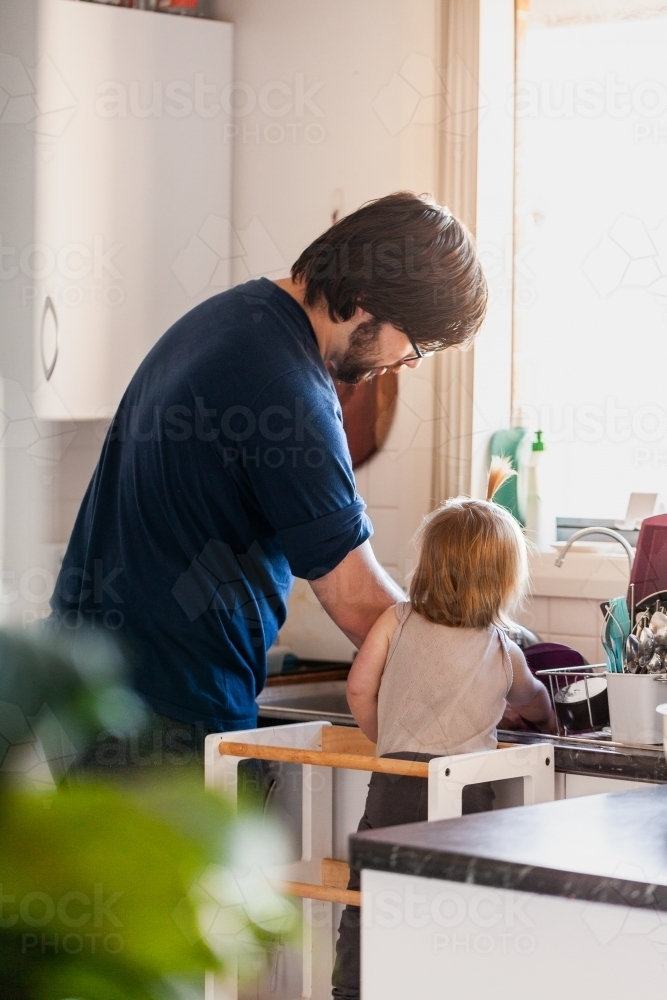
(107, 892)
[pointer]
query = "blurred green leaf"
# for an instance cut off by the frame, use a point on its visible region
(112, 892)
(90, 861)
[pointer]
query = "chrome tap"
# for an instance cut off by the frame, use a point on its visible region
(597, 531)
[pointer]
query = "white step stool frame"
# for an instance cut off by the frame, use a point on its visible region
(447, 776)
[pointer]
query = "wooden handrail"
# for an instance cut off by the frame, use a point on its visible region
(324, 892)
(349, 761)
(342, 746)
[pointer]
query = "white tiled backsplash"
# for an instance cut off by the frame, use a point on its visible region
(574, 621)
(564, 605)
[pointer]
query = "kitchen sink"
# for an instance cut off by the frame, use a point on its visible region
(308, 702)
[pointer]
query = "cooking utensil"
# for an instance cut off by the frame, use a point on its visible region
(646, 646)
(632, 653)
(616, 629)
(658, 626)
(655, 665)
(583, 705)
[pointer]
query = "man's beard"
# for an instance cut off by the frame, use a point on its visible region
(359, 361)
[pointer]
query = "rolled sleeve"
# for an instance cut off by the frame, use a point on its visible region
(304, 482)
(315, 548)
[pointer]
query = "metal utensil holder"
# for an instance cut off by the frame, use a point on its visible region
(562, 677)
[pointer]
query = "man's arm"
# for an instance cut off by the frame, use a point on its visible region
(356, 592)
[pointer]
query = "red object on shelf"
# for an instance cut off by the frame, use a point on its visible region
(649, 570)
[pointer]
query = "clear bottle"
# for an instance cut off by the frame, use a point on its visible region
(540, 524)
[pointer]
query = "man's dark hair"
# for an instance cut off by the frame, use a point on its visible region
(404, 260)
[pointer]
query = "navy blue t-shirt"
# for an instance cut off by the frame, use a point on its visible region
(225, 473)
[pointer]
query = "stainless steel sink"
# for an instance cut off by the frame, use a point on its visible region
(309, 702)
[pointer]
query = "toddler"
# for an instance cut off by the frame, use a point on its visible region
(435, 673)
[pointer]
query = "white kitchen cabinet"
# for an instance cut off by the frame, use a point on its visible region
(431, 939)
(577, 785)
(133, 174)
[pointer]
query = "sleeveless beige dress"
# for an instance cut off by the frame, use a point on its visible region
(443, 689)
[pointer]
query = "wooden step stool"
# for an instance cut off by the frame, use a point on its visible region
(324, 802)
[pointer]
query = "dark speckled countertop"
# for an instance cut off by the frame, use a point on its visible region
(601, 848)
(588, 756)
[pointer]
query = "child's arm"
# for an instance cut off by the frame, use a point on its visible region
(363, 682)
(529, 696)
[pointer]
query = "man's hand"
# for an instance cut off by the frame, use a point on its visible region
(356, 592)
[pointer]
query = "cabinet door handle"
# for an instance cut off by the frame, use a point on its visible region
(48, 366)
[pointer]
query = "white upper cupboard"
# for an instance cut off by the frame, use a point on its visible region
(133, 192)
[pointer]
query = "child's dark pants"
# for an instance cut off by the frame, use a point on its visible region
(392, 800)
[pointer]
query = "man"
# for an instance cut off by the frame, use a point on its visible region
(225, 472)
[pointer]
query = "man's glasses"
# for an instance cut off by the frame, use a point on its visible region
(418, 355)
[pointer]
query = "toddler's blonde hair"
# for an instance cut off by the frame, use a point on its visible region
(473, 569)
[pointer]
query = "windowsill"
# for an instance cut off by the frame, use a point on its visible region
(597, 575)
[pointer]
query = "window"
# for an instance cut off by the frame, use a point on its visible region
(590, 325)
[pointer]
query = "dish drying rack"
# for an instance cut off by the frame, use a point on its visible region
(561, 678)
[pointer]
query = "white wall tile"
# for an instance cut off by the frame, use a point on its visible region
(385, 541)
(361, 480)
(383, 480)
(535, 615)
(575, 616)
(309, 632)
